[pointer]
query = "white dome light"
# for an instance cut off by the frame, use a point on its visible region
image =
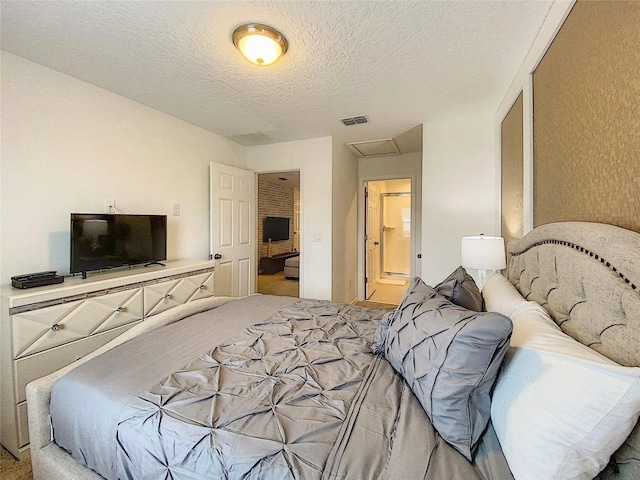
(260, 44)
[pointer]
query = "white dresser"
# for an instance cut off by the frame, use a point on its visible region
(46, 328)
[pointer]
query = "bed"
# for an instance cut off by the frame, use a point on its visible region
(262, 369)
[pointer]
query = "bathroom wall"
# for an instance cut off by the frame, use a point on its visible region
(396, 225)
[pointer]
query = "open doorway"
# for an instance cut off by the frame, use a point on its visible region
(279, 234)
(388, 239)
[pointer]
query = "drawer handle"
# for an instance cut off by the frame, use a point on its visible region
(166, 296)
(202, 287)
(56, 326)
(121, 309)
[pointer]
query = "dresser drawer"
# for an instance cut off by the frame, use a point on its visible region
(165, 295)
(44, 363)
(45, 328)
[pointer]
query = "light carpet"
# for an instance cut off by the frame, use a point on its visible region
(12, 469)
(384, 306)
(392, 281)
(277, 284)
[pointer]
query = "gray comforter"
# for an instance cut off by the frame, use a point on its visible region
(297, 394)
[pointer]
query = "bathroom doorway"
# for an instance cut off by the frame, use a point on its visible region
(388, 239)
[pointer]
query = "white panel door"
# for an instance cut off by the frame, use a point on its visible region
(372, 242)
(232, 225)
(296, 225)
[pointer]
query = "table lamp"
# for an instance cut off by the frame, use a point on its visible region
(483, 253)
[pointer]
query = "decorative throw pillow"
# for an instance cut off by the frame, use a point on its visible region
(460, 288)
(418, 290)
(559, 408)
(381, 333)
(450, 357)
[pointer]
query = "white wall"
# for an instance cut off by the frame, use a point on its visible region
(345, 224)
(407, 165)
(458, 190)
(313, 158)
(67, 146)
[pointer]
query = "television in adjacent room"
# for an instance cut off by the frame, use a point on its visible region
(276, 229)
(103, 241)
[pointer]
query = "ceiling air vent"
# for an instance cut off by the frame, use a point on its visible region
(375, 148)
(354, 120)
(251, 139)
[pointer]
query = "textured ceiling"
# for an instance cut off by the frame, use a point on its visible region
(401, 63)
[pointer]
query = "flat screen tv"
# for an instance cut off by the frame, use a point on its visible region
(103, 241)
(275, 228)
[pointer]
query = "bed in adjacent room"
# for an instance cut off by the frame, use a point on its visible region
(277, 387)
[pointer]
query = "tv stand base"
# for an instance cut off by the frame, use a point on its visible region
(152, 263)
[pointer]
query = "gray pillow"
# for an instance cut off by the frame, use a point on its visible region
(417, 289)
(461, 289)
(450, 357)
(381, 333)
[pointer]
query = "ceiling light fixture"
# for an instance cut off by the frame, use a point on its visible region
(260, 44)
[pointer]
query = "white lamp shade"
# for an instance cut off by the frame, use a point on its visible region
(483, 253)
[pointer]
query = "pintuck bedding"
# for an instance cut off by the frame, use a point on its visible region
(297, 394)
(273, 387)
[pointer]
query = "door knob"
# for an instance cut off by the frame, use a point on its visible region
(217, 256)
(376, 243)
(419, 255)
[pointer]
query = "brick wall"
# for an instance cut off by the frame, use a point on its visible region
(274, 201)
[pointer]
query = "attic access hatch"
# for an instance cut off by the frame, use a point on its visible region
(375, 148)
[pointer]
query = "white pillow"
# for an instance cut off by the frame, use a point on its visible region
(500, 295)
(559, 408)
(537, 331)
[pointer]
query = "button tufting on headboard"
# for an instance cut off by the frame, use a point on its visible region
(585, 276)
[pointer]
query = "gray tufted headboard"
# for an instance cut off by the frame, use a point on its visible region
(587, 276)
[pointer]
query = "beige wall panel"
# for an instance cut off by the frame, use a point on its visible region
(587, 118)
(512, 172)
